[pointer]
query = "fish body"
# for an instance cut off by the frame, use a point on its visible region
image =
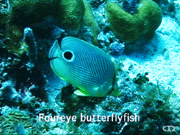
(84, 65)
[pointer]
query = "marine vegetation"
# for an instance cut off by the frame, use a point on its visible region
(83, 65)
(130, 27)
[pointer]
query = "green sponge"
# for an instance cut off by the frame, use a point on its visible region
(129, 27)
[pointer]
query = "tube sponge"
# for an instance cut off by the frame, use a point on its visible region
(129, 27)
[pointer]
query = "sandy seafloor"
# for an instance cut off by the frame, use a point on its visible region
(163, 65)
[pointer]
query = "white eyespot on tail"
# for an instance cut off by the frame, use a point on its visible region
(68, 56)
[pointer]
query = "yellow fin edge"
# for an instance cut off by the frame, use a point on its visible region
(80, 93)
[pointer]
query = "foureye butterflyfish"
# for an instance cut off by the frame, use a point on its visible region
(83, 65)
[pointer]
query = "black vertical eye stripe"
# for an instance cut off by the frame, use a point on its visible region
(59, 42)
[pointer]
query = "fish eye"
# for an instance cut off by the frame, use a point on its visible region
(68, 55)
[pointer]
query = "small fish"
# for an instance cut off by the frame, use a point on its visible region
(84, 65)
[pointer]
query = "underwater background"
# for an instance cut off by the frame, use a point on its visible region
(142, 38)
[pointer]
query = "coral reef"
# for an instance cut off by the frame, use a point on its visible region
(9, 96)
(130, 6)
(175, 107)
(70, 15)
(140, 79)
(13, 41)
(41, 16)
(96, 3)
(138, 96)
(129, 27)
(177, 10)
(116, 48)
(15, 121)
(32, 46)
(66, 14)
(4, 10)
(155, 107)
(28, 87)
(11, 119)
(167, 7)
(90, 21)
(23, 74)
(105, 39)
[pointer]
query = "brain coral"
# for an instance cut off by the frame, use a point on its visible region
(16, 122)
(129, 27)
(10, 119)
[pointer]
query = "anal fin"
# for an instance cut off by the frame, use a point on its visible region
(80, 93)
